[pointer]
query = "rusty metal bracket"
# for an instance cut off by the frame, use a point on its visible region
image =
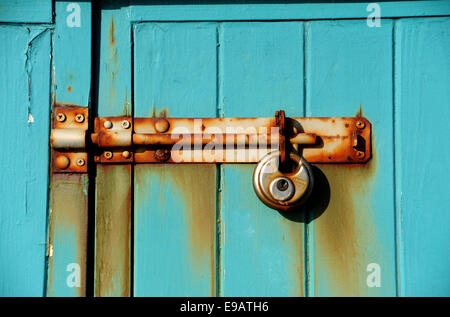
(206, 140)
(68, 139)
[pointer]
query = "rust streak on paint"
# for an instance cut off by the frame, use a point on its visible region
(67, 222)
(112, 29)
(69, 88)
(162, 113)
(196, 184)
(344, 231)
(112, 236)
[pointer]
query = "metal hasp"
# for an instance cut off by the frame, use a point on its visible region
(204, 140)
(68, 139)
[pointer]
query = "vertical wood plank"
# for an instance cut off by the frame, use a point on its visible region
(25, 107)
(113, 183)
(261, 71)
(68, 210)
(422, 112)
(175, 216)
(349, 67)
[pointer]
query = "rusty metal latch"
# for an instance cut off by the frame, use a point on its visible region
(204, 140)
(283, 147)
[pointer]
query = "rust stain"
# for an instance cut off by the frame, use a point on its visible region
(112, 29)
(112, 236)
(344, 231)
(196, 184)
(68, 206)
(69, 88)
(162, 113)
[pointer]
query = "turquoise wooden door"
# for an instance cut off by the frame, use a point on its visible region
(376, 229)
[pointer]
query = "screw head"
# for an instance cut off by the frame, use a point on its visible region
(61, 117)
(62, 162)
(79, 118)
(108, 124)
(162, 125)
(360, 154)
(126, 124)
(162, 155)
(81, 162)
(126, 154)
(360, 124)
(108, 155)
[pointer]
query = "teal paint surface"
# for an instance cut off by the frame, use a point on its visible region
(72, 55)
(261, 72)
(71, 85)
(422, 101)
(252, 10)
(25, 102)
(175, 75)
(349, 67)
(26, 11)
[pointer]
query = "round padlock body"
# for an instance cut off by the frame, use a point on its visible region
(282, 191)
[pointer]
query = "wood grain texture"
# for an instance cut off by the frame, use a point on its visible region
(349, 70)
(422, 110)
(113, 204)
(24, 104)
(261, 71)
(175, 206)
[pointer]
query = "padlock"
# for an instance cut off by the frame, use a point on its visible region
(279, 189)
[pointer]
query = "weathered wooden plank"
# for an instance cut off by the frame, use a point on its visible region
(261, 71)
(113, 206)
(175, 219)
(68, 210)
(26, 11)
(422, 110)
(67, 251)
(72, 52)
(349, 68)
(112, 230)
(24, 104)
(288, 10)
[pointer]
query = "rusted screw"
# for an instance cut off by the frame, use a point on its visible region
(162, 125)
(108, 124)
(126, 154)
(79, 118)
(162, 155)
(62, 162)
(126, 124)
(360, 124)
(360, 154)
(61, 117)
(108, 155)
(80, 162)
